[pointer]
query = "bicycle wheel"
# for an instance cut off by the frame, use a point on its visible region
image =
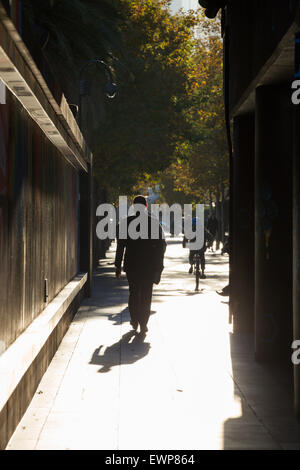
(197, 275)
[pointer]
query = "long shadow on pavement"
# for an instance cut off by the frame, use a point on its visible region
(122, 352)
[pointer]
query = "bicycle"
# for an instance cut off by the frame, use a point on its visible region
(198, 261)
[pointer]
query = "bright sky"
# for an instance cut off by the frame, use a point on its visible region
(185, 4)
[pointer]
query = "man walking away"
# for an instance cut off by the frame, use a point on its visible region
(143, 263)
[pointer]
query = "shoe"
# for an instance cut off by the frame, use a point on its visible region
(202, 276)
(224, 294)
(134, 325)
(144, 330)
(191, 270)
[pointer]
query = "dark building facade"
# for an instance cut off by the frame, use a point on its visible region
(45, 236)
(261, 64)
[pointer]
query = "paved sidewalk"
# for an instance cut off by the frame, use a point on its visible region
(190, 384)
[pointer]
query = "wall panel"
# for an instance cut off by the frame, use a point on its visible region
(38, 239)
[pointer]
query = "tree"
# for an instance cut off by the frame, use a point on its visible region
(201, 166)
(167, 120)
(145, 122)
(71, 32)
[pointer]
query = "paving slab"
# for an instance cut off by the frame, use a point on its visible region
(189, 384)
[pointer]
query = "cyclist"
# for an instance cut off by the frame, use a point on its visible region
(200, 252)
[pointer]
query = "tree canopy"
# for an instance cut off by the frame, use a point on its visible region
(201, 164)
(199, 161)
(145, 122)
(166, 124)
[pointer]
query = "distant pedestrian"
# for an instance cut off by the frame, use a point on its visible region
(213, 228)
(225, 248)
(143, 264)
(226, 290)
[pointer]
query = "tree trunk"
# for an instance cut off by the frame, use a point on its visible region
(222, 230)
(218, 216)
(210, 203)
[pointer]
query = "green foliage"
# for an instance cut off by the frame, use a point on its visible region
(74, 31)
(201, 165)
(146, 120)
(166, 124)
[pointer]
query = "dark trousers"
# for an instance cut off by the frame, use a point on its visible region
(140, 296)
(202, 258)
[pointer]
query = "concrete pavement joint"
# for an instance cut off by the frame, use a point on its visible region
(259, 419)
(119, 394)
(187, 381)
(60, 382)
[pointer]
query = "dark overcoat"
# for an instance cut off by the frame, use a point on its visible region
(143, 258)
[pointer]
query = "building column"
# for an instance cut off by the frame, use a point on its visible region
(296, 252)
(86, 226)
(273, 224)
(296, 230)
(242, 258)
